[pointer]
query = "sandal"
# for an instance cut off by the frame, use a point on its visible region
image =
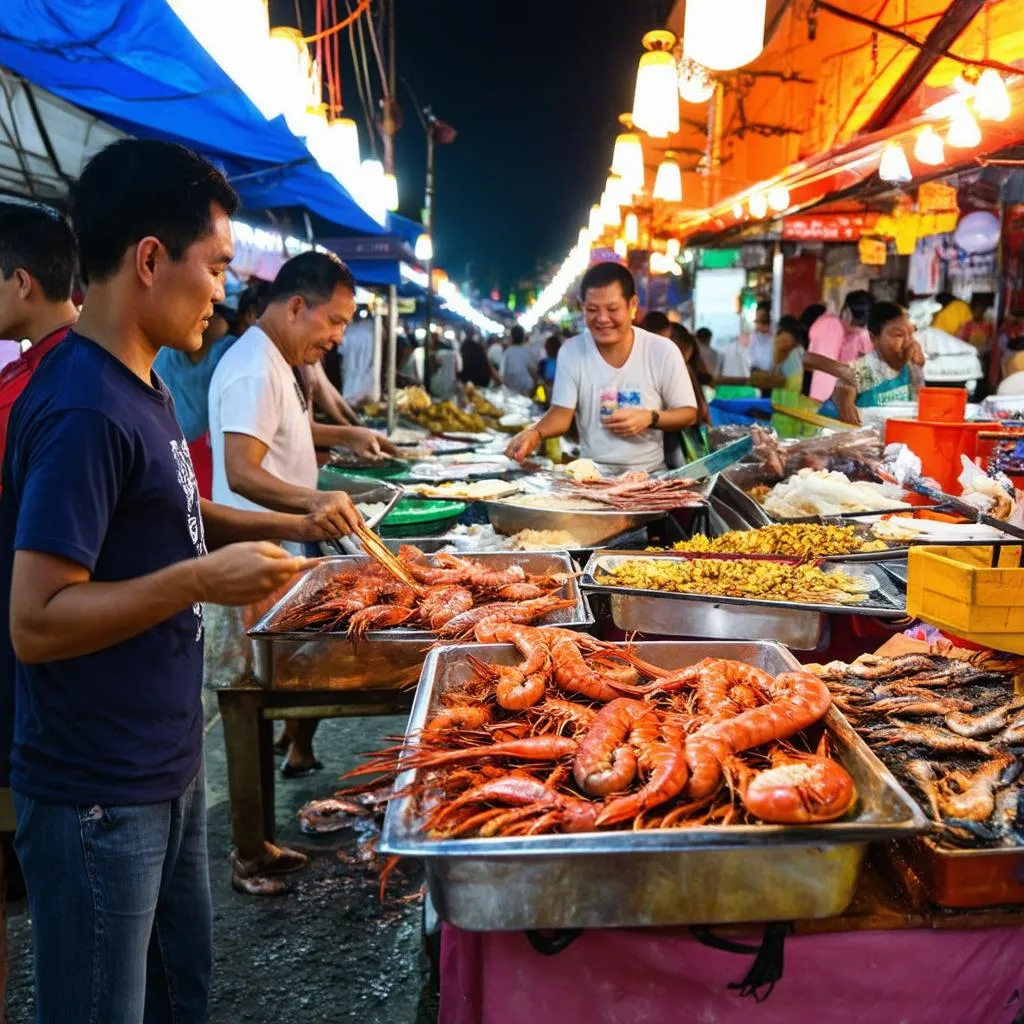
(290, 771)
(258, 885)
(260, 875)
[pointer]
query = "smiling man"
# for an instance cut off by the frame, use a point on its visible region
(625, 386)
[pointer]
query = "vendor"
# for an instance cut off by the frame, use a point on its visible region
(788, 357)
(843, 338)
(883, 376)
(624, 385)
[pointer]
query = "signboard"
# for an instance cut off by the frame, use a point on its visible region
(872, 252)
(827, 227)
(934, 197)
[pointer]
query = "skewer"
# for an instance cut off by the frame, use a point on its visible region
(379, 551)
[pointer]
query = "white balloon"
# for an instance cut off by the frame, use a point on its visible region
(977, 232)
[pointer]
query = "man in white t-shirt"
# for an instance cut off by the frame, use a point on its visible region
(262, 434)
(624, 385)
(357, 383)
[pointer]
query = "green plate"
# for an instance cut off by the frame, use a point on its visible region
(385, 471)
(413, 517)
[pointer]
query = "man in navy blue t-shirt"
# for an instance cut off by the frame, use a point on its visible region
(103, 538)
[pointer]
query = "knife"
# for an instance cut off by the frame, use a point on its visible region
(711, 464)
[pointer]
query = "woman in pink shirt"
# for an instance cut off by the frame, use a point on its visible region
(843, 338)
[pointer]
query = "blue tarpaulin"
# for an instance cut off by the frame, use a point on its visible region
(134, 64)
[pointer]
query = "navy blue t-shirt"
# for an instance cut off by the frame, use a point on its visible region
(97, 471)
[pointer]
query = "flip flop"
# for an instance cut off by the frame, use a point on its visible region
(290, 771)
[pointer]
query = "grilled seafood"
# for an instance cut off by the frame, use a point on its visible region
(798, 540)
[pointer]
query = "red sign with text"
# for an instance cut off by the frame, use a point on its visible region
(829, 227)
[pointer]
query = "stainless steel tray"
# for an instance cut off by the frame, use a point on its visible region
(386, 658)
(706, 875)
(886, 600)
(359, 489)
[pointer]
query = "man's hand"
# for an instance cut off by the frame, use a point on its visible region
(629, 422)
(524, 444)
(331, 514)
(368, 444)
(242, 574)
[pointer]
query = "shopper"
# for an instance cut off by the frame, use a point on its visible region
(38, 257)
(623, 385)
(548, 365)
(358, 380)
(103, 538)
(517, 372)
(843, 338)
(708, 356)
(445, 369)
(762, 338)
(476, 368)
(251, 303)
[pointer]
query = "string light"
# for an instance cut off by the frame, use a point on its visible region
(991, 100)
(964, 132)
(737, 210)
(929, 148)
(656, 96)
(893, 166)
(758, 206)
(778, 198)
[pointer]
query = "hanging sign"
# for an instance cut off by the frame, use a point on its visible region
(934, 197)
(872, 252)
(827, 227)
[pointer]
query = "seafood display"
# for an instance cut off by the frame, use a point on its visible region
(761, 579)
(580, 735)
(635, 491)
(811, 492)
(795, 540)
(951, 729)
(446, 594)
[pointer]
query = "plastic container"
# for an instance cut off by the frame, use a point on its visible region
(412, 517)
(737, 391)
(942, 405)
(976, 593)
(938, 446)
(740, 411)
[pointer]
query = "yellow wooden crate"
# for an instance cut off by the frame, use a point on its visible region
(972, 592)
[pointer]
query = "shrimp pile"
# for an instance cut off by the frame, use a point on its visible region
(950, 729)
(455, 595)
(579, 735)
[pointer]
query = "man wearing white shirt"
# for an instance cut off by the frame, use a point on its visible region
(762, 339)
(623, 385)
(357, 383)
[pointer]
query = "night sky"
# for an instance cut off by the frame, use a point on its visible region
(534, 89)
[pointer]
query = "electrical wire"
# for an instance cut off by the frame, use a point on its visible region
(361, 7)
(372, 30)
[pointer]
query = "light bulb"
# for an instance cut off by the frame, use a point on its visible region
(964, 132)
(737, 210)
(668, 182)
(893, 166)
(929, 148)
(723, 34)
(390, 192)
(673, 247)
(631, 229)
(695, 82)
(620, 248)
(991, 100)
(424, 250)
(610, 212)
(778, 198)
(618, 190)
(596, 222)
(758, 206)
(583, 242)
(628, 161)
(656, 96)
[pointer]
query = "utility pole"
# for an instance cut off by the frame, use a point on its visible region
(428, 224)
(390, 111)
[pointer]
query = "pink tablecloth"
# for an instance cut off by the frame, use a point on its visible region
(666, 976)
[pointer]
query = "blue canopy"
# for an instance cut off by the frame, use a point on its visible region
(134, 64)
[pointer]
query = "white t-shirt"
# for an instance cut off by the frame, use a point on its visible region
(736, 360)
(762, 350)
(446, 375)
(254, 392)
(653, 377)
(515, 369)
(357, 362)
(495, 354)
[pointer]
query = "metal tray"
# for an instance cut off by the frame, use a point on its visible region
(886, 601)
(359, 489)
(705, 875)
(383, 659)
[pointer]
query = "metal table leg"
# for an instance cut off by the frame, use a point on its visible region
(248, 743)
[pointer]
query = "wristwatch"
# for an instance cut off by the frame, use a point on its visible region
(655, 416)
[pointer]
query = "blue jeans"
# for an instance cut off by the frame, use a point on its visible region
(121, 914)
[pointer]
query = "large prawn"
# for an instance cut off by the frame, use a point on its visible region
(572, 673)
(513, 689)
(526, 611)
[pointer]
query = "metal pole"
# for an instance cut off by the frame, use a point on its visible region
(392, 363)
(428, 224)
(378, 348)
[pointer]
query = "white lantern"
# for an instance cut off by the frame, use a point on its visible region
(695, 82)
(371, 193)
(673, 247)
(620, 248)
(595, 225)
(737, 210)
(893, 166)
(610, 212)
(758, 206)
(778, 198)
(628, 157)
(631, 229)
(292, 75)
(964, 132)
(344, 144)
(668, 183)
(618, 190)
(583, 242)
(424, 250)
(656, 97)
(991, 100)
(390, 186)
(929, 148)
(723, 34)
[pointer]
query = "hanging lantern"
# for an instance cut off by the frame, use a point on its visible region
(673, 247)
(723, 34)
(929, 148)
(294, 75)
(610, 212)
(628, 156)
(778, 198)
(620, 248)
(964, 132)
(991, 100)
(343, 139)
(583, 242)
(619, 191)
(424, 250)
(371, 193)
(695, 82)
(631, 229)
(595, 225)
(390, 191)
(737, 210)
(668, 183)
(893, 166)
(758, 206)
(656, 97)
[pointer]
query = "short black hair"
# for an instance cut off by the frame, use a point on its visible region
(794, 326)
(812, 313)
(253, 299)
(600, 275)
(859, 303)
(945, 298)
(39, 240)
(313, 275)
(764, 306)
(881, 314)
(703, 334)
(517, 335)
(139, 187)
(656, 321)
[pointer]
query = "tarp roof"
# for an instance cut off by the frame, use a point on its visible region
(135, 64)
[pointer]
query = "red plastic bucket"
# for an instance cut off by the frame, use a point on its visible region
(941, 405)
(938, 446)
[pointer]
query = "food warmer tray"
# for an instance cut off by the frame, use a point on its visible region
(383, 659)
(701, 875)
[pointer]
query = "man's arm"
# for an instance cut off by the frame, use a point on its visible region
(361, 440)
(554, 423)
(330, 400)
(223, 525)
(834, 368)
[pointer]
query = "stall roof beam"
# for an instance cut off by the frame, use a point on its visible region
(946, 30)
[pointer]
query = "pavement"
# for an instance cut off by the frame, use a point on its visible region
(328, 950)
